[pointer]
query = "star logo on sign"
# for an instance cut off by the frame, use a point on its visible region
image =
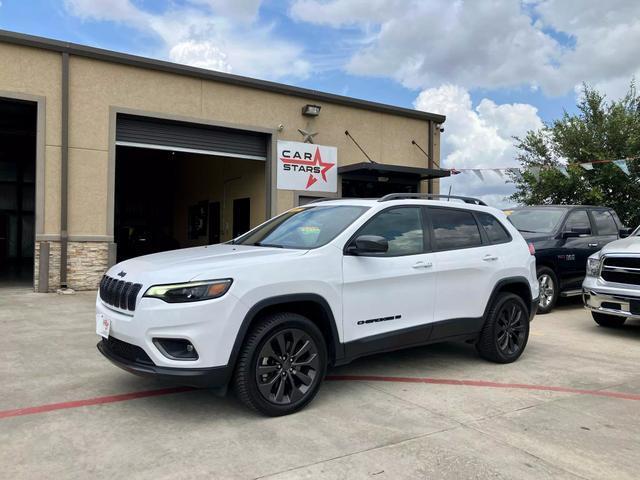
(317, 161)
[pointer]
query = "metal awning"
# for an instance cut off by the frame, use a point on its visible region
(366, 169)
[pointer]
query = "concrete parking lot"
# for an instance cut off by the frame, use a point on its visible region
(570, 408)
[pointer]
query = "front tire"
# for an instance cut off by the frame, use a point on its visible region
(610, 321)
(549, 289)
(506, 330)
(281, 364)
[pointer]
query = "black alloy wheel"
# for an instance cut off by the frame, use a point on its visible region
(281, 364)
(287, 366)
(510, 328)
(505, 333)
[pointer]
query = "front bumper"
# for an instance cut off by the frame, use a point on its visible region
(621, 305)
(141, 364)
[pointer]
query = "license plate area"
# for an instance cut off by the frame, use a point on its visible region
(634, 307)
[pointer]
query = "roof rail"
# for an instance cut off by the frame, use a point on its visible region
(429, 196)
(324, 199)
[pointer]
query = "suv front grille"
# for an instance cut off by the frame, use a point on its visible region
(118, 293)
(621, 270)
(127, 351)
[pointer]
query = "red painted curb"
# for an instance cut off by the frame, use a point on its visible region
(92, 401)
(481, 383)
(358, 378)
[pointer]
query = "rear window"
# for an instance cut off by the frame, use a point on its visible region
(494, 229)
(453, 229)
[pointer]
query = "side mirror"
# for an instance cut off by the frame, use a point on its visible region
(576, 232)
(625, 232)
(369, 244)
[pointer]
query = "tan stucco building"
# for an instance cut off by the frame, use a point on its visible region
(105, 155)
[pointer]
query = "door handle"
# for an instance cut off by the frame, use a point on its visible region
(489, 258)
(592, 244)
(419, 265)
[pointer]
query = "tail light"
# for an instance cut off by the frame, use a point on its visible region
(532, 249)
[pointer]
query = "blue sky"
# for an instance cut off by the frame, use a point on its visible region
(496, 68)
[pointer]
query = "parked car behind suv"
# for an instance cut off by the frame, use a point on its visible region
(321, 285)
(563, 237)
(611, 289)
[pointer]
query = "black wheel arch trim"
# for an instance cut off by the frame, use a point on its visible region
(531, 303)
(254, 311)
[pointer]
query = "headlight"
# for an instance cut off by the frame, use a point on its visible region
(593, 266)
(190, 291)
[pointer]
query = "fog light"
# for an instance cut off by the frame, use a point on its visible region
(176, 348)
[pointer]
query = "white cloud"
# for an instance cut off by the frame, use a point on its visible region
(551, 44)
(211, 34)
(480, 137)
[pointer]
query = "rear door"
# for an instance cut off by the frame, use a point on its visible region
(386, 293)
(466, 266)
(572, 258)
(605, 226)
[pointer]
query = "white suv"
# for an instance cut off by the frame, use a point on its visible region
(321, 285)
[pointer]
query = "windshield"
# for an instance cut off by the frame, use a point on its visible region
(303, 227)
(536, 220)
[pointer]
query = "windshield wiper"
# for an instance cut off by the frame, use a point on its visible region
(528, 231)
(260, 244)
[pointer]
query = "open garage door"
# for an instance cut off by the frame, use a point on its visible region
(182, 185)
(160, 134)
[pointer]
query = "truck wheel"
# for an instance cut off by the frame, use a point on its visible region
(506, 330)
(281, 364)
(549, 289)
(605, 320)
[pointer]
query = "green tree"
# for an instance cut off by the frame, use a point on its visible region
(600, 130)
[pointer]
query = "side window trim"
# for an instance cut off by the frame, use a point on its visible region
(432, 236)
(345, 248)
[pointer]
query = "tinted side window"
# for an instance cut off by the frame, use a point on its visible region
(495, 231)
(604, 222)
(402, 227)
(454, 229)
(577, 219)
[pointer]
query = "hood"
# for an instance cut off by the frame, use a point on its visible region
(186, 264)
(624, 245)
(534, 236)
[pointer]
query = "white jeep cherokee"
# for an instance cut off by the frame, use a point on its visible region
(321, 285)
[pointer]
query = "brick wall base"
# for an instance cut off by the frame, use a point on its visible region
(86, 263)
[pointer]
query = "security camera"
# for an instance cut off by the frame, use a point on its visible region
(441, 129)
(280, 127)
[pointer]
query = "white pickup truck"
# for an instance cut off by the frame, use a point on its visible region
(611, 289)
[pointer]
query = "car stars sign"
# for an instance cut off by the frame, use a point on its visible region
(307, 167)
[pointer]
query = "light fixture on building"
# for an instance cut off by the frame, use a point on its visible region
(311, 110)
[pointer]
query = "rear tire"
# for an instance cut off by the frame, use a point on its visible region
(281, 364)
(506, 329)
(549, 289)
(610, 321)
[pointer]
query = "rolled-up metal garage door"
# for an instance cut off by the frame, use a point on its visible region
(148, 132)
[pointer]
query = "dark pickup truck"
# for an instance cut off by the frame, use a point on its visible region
(563, 237)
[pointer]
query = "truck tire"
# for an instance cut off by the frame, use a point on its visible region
(505, 332)
(281, 364)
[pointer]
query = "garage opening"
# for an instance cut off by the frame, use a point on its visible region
(182, 185)
(18, 120)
